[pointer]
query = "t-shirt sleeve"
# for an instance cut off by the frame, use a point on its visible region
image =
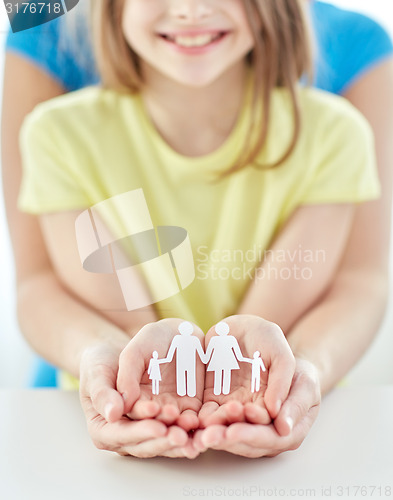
(49, 48)
(348, 45)
(344, 167)
(368, 43)
(51, 180)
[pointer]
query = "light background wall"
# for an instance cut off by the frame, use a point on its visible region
(16, 356)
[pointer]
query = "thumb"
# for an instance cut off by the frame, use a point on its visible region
(104, 396)
(281, 372)
(131, 370)
(305, 394)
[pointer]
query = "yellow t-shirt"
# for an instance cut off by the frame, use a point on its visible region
(90, 145)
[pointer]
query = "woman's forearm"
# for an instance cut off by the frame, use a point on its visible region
(60, 328)
(339, 329)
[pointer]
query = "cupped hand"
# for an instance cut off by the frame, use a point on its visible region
(290, 427)
(133, 382)
(104, 411)
(241, 405)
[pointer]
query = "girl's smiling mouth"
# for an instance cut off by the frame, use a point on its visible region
(194, 42)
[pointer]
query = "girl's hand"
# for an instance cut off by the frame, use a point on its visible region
(240, 405)
(290, 427)
(104, 408)
(180, 414)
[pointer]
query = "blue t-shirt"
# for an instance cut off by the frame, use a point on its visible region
(348, 44)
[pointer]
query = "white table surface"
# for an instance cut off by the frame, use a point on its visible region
(46, 453)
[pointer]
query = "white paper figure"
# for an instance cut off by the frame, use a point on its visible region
(257, 366)
(154, 372)
(224, 352)
(186, 347)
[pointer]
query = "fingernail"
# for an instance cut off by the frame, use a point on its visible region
(108, 408)
(289, 421)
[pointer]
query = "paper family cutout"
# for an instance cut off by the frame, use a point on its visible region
(222, 354)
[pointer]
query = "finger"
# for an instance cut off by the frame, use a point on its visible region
(104, 398)
(206, 410)
(188, 420)
(131, 369)
(256, 414)
(197, 441)
(225, 414)
(263, 437)
(244, 440)
(304, 396)
(241, 449)
(281, 372)
(212, 436)
(189, 450)
(114, 436)
(144, 409)
(175, 438)
(264, 440)
(169, 414)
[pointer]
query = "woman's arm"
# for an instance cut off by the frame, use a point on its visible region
(338, 330)
(57, 324)
(43, 302)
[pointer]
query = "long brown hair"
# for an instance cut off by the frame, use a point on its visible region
(280, 57)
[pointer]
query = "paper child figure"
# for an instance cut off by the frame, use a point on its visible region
(257, 366)
(155, 372)
(186, 347)
(224, 352)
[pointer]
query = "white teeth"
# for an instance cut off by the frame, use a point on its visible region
(194, 41)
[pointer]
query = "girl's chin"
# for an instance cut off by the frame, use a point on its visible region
(195, 80)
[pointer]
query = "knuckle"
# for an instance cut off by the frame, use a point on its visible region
(274, 329)
(104, 446)
(144, 454)
(99, 444)
(123, 453)
(299, 407)
(306, 381)
(124, 355)
(295, 445)
(98, 394)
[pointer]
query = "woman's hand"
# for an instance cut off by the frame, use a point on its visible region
(104, 409)
(180, 414)
(290, 427)
(241, 405)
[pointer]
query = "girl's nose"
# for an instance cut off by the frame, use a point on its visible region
(191, 10)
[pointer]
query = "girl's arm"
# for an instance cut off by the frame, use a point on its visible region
(313, 241)
(55, 322)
